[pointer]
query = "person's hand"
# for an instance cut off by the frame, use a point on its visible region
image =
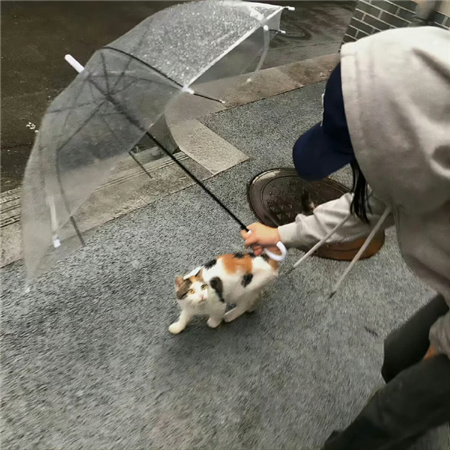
(430, 353)
(260, 237)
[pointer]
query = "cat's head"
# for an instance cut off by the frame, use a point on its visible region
(193, 290)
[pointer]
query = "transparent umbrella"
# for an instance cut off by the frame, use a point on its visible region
(122, 94)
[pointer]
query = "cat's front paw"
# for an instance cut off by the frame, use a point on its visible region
(229, 316)
(176, 328)
(213, 323)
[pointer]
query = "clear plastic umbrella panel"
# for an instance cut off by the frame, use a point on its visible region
(119, 96)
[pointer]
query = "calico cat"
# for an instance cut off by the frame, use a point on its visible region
(235, 279)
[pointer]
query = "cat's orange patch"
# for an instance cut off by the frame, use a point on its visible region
(274, 264)
(232, 264)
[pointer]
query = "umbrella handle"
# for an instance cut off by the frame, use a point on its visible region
(274, 256)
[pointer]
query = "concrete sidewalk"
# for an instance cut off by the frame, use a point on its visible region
(88, 361)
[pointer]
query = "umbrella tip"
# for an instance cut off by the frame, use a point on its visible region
(74, 63)
(290, 8)
(188, 90)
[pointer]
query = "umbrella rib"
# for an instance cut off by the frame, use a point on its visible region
(128, 64)
(144, 63)
(58, 174)
(63, 195)
(90, 84)
(130, 83)
(104, 71)
(81, 88)
(134, 80)
(68, 108)
(140, 164)
(80, 127)
(130, 152)
(208, 98)
(57, 152)
(77, 230)
(124, 88)
(72, 107)
(162, 73)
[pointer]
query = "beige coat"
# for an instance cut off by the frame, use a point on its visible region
(396, 88)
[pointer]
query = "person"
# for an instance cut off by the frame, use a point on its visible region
(387, 113)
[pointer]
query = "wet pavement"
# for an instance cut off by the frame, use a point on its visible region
(87, 357)
(35, 37)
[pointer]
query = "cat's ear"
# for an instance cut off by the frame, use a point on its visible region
(181, 287)
(194, 273)
(179, 281)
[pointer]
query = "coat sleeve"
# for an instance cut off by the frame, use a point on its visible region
(306, 231)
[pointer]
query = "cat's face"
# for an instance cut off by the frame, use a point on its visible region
(193, 291)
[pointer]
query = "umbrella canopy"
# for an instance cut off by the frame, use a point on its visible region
(122, 94)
